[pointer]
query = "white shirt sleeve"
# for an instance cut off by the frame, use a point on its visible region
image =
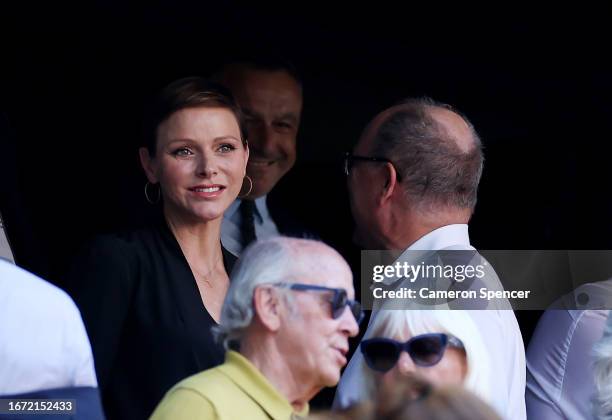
(43, 342)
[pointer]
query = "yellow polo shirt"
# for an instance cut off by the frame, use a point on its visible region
(234, 390)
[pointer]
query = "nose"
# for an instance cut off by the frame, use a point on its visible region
(206, 166)
(405, 365)
(262, 139)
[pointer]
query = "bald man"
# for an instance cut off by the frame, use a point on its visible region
(413, 179)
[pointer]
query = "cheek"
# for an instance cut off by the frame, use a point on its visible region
(288, 146)
(451, 369)
(235, 170)
(173, 173)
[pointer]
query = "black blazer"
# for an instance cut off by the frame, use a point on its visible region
(145, 318)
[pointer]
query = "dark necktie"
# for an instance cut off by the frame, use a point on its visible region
(247, 227)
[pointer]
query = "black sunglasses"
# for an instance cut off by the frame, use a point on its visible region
(338, 301)
(349, 161)
(381, 354)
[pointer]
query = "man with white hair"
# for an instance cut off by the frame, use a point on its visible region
(285, 324)
(413, 180)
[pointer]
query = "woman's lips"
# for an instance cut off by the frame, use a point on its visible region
(207, 191)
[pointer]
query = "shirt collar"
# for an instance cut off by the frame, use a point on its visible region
(450, 236)
(246, 376)
(261, 209)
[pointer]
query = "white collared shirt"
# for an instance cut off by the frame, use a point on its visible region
(498, 328)
(231, 235)
(43, 343)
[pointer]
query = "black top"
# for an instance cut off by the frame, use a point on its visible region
(146, 321)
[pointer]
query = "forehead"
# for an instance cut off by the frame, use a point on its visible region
(253, 87)
(201, 122)
(324, 269)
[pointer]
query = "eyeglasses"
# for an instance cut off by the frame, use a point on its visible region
(349, 161)
(381, 354)
(338, 301)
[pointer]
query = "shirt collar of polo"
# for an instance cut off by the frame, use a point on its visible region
(246, 376)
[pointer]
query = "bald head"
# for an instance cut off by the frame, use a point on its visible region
(435, 149)
(278, 260)
(454, 127)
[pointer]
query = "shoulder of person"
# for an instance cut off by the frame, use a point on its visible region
(42, 295)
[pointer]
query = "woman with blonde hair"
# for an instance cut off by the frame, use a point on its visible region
(442, 346)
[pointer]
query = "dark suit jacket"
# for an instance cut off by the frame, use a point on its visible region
(145, 318)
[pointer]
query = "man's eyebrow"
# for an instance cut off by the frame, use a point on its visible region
(289, 116)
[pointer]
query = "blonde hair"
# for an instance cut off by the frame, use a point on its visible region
(392, 323)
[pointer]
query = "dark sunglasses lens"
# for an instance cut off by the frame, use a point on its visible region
(339, 303)
(427, 351)
(380, 355)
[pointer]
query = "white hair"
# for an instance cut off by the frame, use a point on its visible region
(602, 370)
(393, 323)
(274, 260)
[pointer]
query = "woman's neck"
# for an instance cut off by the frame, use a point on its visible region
(199, 241)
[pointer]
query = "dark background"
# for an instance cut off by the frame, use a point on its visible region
(536, 85)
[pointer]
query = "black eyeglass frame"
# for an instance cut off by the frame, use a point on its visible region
(349, 158)
(338, 301)
(447, 340)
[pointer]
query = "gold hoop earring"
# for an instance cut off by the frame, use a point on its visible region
(250, 187)
(146, 192)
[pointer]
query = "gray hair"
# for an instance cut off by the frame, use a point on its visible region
(274, 260)
(433, 168)
(602, 370)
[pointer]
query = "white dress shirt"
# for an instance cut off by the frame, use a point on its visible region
(499, 329)
(43, 343)
(560, 381)
(231, 234)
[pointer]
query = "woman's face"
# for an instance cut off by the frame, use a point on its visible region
(200, 162)
(450, 370)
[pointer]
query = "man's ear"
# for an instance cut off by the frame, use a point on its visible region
(391, 183)
(267, 305)
(148, 165)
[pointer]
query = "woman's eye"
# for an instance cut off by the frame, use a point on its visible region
(226, 148)
(182, 151)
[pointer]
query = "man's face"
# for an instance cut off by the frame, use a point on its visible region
(272, 103)
(315, 343)
(362, 183)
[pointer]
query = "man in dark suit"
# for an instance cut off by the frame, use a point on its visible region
(270, 94)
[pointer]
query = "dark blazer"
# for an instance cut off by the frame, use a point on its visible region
(145, 318)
